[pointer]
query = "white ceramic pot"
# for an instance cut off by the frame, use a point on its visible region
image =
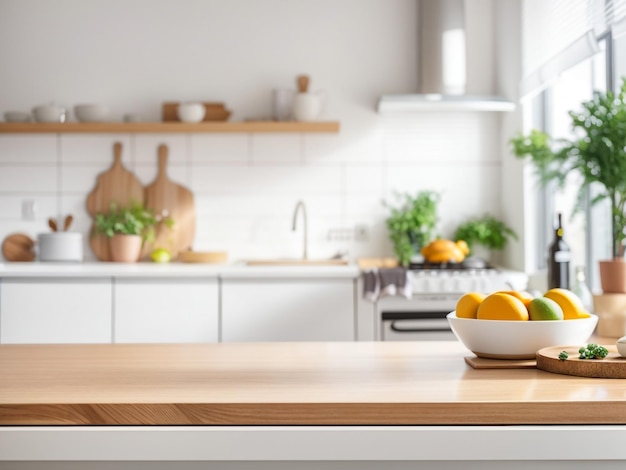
(191, 112)
(60, 246)
(49, 113)
(308, 106)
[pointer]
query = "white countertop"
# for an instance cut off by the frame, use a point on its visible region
(171, 270)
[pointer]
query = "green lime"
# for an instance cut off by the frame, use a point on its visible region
(542, 308)
(161, 255)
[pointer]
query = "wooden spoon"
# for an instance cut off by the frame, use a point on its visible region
(52, 223)
(67, 223)
(303, 83)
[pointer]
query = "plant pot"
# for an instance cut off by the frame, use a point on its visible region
(613, 276)
(125, 248)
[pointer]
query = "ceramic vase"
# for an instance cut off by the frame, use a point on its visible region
(125, 248)
(613, 276)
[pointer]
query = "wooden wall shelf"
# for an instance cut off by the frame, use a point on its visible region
(166, 127)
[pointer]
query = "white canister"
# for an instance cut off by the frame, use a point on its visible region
(308, 106)
(60, 246)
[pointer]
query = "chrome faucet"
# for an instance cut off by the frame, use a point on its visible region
(300, 205)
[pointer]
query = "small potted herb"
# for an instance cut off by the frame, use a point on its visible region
(487, 231)
(127, 228)
(412, 223)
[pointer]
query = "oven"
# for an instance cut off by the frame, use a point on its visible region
(435, 293)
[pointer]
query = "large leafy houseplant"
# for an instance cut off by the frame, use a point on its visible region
(597, 153)
(412, 223)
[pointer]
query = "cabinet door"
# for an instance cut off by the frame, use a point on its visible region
(55, 311)
(288, 310)
(166, 311)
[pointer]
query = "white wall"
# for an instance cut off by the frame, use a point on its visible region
(136, 54)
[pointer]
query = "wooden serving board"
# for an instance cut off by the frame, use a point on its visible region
(164, 196)
(611, 367)
(485, 363)
(117, 185)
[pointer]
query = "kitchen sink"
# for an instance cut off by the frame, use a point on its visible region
(297, 262)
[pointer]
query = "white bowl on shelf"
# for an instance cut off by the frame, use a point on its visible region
(191, 112)
(91, 112)
(16, 116)
(503, 339)
(49, 113)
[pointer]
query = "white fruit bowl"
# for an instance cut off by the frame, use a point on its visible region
(502, 339)
(91, 112)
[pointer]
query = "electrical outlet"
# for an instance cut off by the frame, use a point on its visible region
(28, 209)
(361, 233)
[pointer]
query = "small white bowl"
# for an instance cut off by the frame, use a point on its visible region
(16, 116)
(621, 346)
(49, 113)
(191, 112)
(91, 112)
(502, 339)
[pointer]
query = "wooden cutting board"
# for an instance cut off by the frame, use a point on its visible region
(164, 196)
(18, 247)
(486, 363)
(117, 185)
(611, 367)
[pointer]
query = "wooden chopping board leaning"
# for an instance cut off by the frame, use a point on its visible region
(116, 185)
(170, 200)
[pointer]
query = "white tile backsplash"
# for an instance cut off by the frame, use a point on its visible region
(94, 148)
(145, 148)
(43, 206)
(28, 179)
(176, 172)
(246, 186)
(36, 148)
(220, 148)
(273, 148)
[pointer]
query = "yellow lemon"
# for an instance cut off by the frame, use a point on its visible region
(542, 308)
(499, 306)
(467, 306)
(568, 301)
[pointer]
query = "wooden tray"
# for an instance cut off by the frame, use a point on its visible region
(203, 256)
(485, 363)
(611, 367)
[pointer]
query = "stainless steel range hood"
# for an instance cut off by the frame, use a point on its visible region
(443, 66)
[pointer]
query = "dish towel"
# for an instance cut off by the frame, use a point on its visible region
(383, 282)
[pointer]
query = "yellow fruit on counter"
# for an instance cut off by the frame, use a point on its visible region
(445, 251)
(499, 306)
(568, 301)
(467, 306)
(525, 297)
(543, 309)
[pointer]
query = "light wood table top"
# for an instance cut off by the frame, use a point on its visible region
(367, 383)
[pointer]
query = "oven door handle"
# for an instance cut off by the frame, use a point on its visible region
(415, 330)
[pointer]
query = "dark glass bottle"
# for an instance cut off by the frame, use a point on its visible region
(558, 259)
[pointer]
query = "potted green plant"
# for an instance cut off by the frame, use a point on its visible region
(412, 223)
(598, 155)
(127, 228)
(487, 231)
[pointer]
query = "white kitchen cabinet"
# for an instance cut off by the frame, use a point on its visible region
(288, 310)
(166, 310)
(46, 310)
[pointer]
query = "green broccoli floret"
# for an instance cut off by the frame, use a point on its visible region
(563, 355)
